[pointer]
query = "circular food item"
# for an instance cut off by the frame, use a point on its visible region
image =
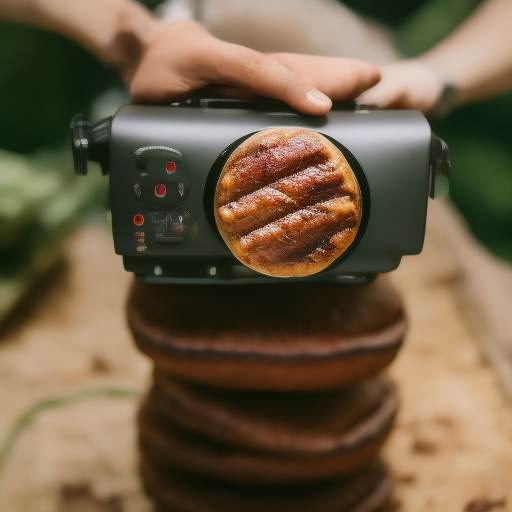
(276, 336)
(287, 202)
(325, 452)
(366, 490)
(344, 419)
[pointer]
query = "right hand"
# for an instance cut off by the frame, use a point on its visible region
(406, 84)
(182, 57)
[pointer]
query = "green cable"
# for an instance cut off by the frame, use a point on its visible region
(26, 418)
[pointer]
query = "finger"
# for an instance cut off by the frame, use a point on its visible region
(255, 72)
(339, 78)
(383, 95)
(215, 91)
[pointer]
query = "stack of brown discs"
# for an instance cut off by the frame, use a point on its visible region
(266, 397)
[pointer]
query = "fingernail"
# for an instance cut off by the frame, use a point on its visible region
(318, 98)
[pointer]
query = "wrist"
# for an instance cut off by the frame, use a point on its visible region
(436, 67)
(134, 28)
(135, 39)
(449, 96)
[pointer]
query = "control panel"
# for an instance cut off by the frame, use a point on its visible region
(160, 187)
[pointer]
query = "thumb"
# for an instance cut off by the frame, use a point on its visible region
(258, 73)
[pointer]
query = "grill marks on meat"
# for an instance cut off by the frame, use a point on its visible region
(295, 192)
(287, 202)
(268, 162)
(294, 237)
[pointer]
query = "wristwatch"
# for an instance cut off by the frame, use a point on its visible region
(446, 102)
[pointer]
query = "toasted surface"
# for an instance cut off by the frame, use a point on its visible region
(275, 336)
(298, 422)
(287, 202)
(366, 490)
(296, 450)
(289, 319)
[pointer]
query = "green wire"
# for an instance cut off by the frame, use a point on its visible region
(26, 418)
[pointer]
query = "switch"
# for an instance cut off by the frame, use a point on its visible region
(171, 227)
(161, 177)
(160, 190)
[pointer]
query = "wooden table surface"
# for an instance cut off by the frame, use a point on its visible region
(452, 443)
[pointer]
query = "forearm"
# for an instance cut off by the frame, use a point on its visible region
(114, 30)
(477, 57)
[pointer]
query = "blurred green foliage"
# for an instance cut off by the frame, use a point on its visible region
(430, 22)
(41, 202)
(44, 80)
(479, 138)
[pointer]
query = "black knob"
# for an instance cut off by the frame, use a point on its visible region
(90, 142)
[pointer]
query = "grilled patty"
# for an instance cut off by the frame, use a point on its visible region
(287, 202)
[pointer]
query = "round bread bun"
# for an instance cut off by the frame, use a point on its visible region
(325, 453)
(282, 336)
(366, 490)
(287, 202)
(297, 423)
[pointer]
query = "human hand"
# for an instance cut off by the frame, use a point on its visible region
(339, 78)
(406, 84)
(182, 57)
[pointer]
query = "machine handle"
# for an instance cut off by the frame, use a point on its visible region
(90, 142)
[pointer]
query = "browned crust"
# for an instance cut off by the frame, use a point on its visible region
(278, 336)
(279, 318)
(170, 446)
(297, 424)
(271, 374)
(287, 202)
(366, 490)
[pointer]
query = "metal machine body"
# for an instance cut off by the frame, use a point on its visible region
(164, 161)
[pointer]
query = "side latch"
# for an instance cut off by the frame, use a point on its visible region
(439, 168)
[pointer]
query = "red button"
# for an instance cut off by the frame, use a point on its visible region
(138, 220)
(160, 191)
(171, 167)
